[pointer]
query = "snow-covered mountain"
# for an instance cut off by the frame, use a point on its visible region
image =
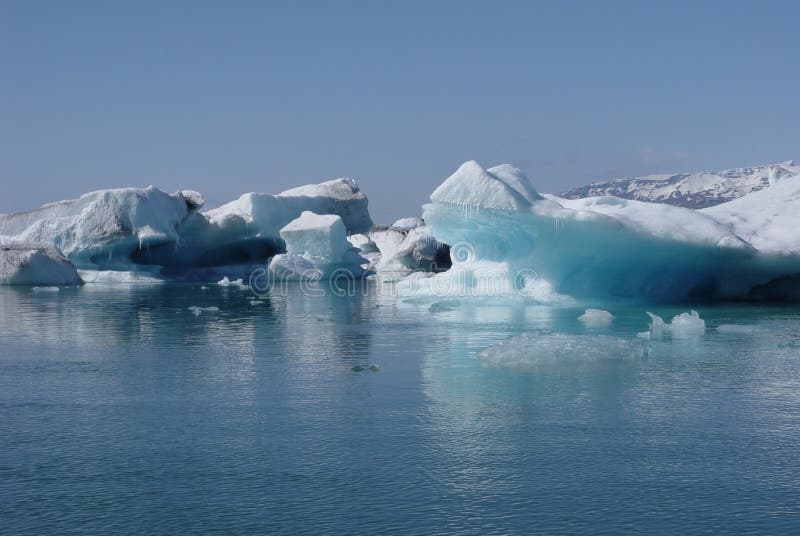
(692, 190)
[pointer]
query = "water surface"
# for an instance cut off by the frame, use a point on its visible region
(122, 412)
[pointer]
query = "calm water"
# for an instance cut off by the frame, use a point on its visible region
(121, 412)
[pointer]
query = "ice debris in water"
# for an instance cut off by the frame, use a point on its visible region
(532, 350)
(682, 326)
(225, 282)
(256, 302)
(197, 311)
(594, 318)
(45, 289)
(736, 328)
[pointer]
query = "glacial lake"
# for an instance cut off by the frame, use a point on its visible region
(122, 412)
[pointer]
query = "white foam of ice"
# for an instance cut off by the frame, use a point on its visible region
(532, 350)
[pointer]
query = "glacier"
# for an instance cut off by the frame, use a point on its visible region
(510, 242)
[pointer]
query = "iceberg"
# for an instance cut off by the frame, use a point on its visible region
(131, 230)
(36, 264)
(103, 229)
(316, 248)
(510, 242)
(246, 231)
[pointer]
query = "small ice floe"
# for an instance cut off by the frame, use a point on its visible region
(684, 325)
(203, 287)
(596, 318)
(530, 351)
(45, 289)
(256, 302)
(238, 283)
(197, 311)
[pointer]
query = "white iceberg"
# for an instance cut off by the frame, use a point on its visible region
(134, 229)
(36, 264)
(316, 248)
(247, 230)
(104, 229)
(507, 241)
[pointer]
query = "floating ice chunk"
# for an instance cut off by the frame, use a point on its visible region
(657, 325)
(256, 302)
(687, 325)
(682, 326)
(45, 289)
(596, 318)
(35, 264)
(530, 351)
(197, 311)
(316, 247)
(238, 283)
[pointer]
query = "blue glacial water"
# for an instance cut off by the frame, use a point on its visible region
(121, 412)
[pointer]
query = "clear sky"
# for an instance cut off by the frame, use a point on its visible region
(230, 97)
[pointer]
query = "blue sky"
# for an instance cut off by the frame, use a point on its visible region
(229, 97)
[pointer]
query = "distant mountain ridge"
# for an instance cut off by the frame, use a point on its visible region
(690, 190)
